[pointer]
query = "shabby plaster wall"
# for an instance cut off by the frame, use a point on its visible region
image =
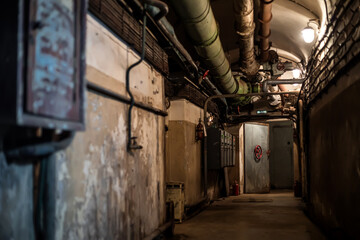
(103, 191)
(95, 188)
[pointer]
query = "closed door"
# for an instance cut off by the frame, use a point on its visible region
(281, 161)
(256, 171)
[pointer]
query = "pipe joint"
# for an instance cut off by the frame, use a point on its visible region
(247, 32)
(265, 20)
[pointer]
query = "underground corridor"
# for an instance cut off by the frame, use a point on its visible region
(180, 119)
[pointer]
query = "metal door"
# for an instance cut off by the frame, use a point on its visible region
(281, 161)
(257, 177)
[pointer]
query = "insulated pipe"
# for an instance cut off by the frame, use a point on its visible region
(264, 19)
(202, 30)
(158, 12)
(281, 81)
(245, 26)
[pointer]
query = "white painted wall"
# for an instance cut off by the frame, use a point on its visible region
(183, 110)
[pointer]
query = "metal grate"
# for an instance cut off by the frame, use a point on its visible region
(129, 29)
(336, 50)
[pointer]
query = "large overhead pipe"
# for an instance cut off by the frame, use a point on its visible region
(264, 19)
(202, 29)
(245, 26)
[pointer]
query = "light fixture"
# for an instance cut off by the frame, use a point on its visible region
(296, 73)
(308, 33)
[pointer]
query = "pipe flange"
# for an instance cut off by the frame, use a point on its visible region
(237, 86)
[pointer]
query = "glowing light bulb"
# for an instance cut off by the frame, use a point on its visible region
(296, 73)
(308, 34)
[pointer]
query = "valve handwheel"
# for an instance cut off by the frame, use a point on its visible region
(258, 153)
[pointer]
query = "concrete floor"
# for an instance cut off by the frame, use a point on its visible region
(277, 215)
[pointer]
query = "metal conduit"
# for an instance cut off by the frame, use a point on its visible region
(202, 29)
(245, 26)
(281, 81)
(265, 18)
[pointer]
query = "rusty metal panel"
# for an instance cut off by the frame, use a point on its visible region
(43, 64)
(52, 89)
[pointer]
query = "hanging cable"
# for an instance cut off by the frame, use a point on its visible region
(132, 144)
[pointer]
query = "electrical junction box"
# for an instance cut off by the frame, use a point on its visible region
(220, 149)
(42, 62)
(175, 193)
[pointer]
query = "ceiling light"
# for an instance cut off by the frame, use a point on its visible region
(296, 73)
(308, 34)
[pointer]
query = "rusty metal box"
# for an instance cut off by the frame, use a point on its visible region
(42, 62)
(175, 193)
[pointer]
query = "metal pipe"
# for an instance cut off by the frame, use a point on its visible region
(265, 32)
(281, 81)
(302, 147)
(131, 141)
(216, 91)
(245, 27)
(167, 30)
(163, 8)
(242, 95)
(94, 87)
(203, 32)
(41, 149)
(178, 45)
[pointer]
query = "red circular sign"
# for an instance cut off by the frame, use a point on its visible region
(258, 153)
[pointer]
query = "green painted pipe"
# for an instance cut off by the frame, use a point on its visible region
(201, 27)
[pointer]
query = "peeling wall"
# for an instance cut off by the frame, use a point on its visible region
(104, 192)
(96, 190)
